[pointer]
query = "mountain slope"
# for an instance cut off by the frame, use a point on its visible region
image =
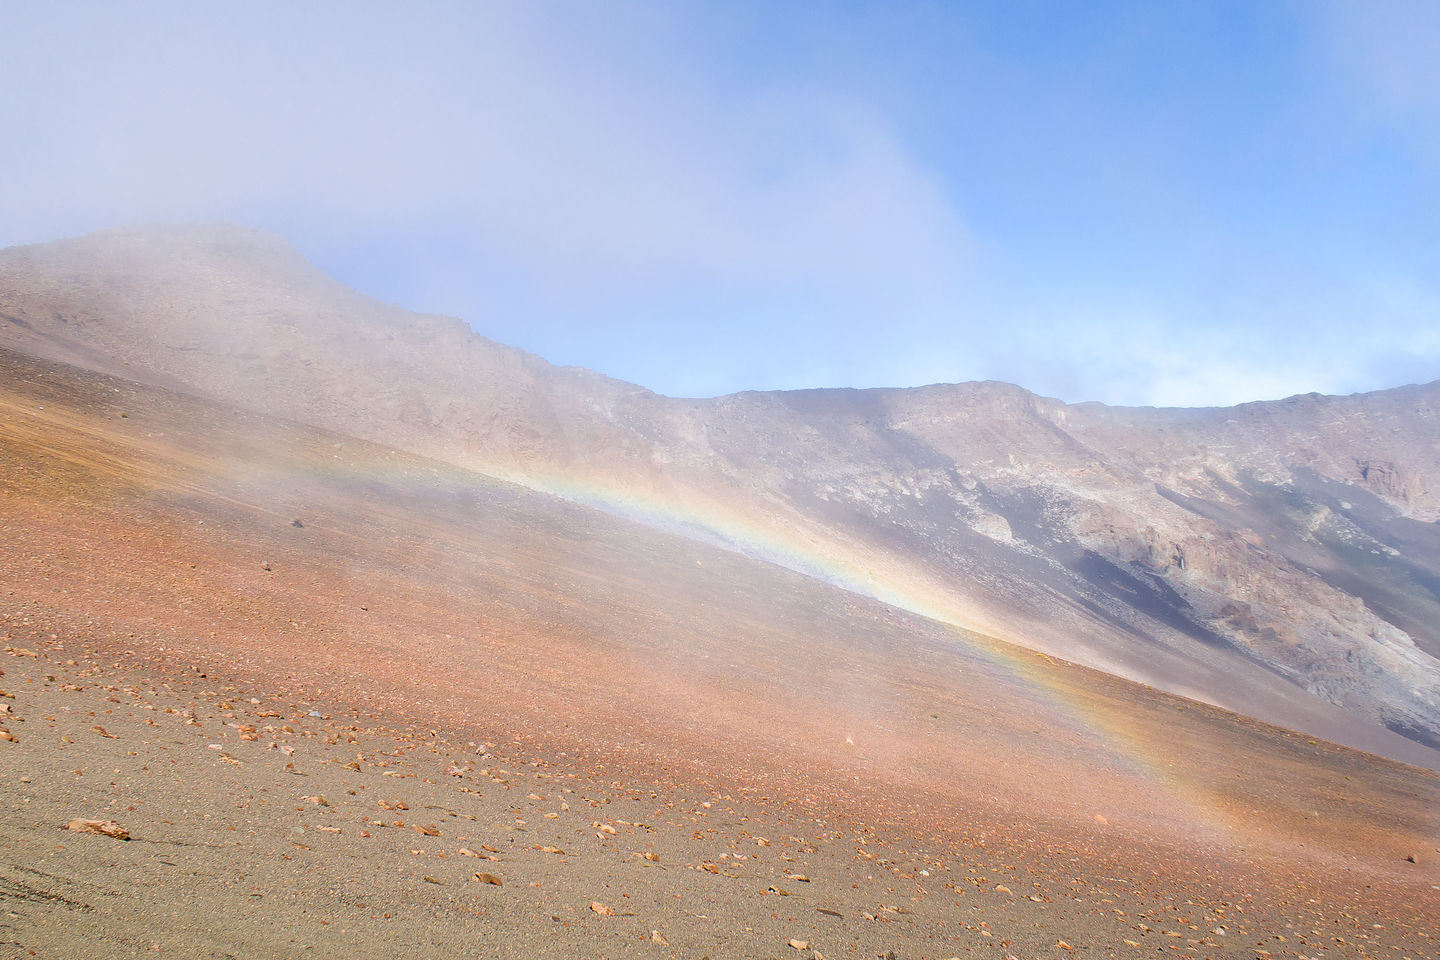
(308, 673)
(1274, 558)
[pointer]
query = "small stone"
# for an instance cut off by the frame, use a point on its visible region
(601, 909)
(657, 937)
(490, 878)
(800, 944)
(7, 737)
(108, 828)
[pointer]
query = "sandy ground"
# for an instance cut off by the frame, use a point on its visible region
(259, 830)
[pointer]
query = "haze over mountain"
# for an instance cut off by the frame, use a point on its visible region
(1279, 559)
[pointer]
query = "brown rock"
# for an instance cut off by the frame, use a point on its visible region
(108, 828)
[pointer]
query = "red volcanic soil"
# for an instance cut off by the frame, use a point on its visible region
(247, 642)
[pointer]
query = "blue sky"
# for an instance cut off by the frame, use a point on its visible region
(1158, 203)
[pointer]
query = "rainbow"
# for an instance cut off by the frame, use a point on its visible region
(790, 544)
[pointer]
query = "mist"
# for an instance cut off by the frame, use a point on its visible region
(705, 202)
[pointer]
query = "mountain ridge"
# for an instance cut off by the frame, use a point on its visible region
(1207, 551)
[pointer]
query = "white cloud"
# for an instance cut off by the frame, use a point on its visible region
(582, 150)
(608, 165)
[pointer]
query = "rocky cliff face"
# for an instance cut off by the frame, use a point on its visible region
(1270, 557)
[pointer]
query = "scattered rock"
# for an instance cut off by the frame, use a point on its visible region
(601, 909)
(7, 736)
(467, 852)
(656, 937)
(1411, 859)
(430, 879)
(297, 524)
(490, 878)
(108, 828)
(800, 944)
(1001, 888)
